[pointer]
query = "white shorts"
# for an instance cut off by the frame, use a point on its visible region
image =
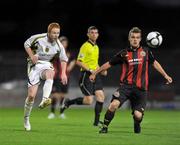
(35, 72)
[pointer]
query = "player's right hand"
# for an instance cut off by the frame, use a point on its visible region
(104, 73)
(124, 53)
(92, 77)
(169, 79)
(34, 59)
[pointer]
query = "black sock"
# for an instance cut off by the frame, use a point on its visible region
(98, 109)
(53, 104)
(108, 117)
(61, 101)
(137, 126)
(78, 101)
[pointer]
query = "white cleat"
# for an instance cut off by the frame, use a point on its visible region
(51, 116)
(27, 124)
(44, 103)
(62, 116)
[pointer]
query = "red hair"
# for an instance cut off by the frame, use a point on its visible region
(53, 25)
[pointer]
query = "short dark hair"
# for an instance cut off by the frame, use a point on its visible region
(92, 28)
(134, 30)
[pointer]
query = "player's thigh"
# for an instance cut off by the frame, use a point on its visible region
(33, 77)
(86, 86)
(47, 74)
(32, 91)
(98, 83)
(64, 88)
(122, 94)
(138, 101)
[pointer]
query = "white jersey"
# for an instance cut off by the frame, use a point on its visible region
(45, 50)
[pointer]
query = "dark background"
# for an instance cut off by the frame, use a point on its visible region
(114, 18)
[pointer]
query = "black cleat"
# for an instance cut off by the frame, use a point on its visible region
(137, 128)
(104, 130)
(64, 106)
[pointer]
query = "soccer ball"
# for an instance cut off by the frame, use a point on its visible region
(154, 39)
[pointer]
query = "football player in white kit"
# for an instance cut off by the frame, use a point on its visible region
(41, 50)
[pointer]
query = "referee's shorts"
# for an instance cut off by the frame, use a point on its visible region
(87, 87)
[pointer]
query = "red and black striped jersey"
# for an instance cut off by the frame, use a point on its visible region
(135, 66)
(57, 68)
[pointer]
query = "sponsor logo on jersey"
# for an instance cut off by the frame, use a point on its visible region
(81, 55)
(47, 49)
(143, 53)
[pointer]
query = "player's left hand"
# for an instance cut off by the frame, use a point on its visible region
(169, 79)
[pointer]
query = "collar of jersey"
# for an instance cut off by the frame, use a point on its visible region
(91, 43)
(133, 50)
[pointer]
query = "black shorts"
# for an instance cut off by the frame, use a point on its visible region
(136, 96)
(87, 87)
(58, 87)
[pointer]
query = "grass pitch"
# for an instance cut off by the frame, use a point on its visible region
(159, 127)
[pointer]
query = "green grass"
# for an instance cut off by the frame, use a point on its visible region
(158, 128)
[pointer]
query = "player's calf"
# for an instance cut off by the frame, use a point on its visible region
(137, 122)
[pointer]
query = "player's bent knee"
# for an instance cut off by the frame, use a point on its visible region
(88, 100)
(100, 95)
(138, 115)
(113, 106)
(31, 98)
(100, 99)
(49, 74)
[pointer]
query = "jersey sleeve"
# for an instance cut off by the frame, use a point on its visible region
(82, 53)
(29, 42)
(151, 57)
(118, 58)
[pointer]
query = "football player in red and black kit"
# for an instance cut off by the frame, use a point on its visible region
(60, 90)
(135, 61)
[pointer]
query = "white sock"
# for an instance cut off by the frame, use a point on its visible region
(27, 108)
(47, 88)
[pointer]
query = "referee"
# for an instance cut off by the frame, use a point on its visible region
(88, 62)
(135, 61)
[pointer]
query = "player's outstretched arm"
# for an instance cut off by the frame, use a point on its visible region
(104, 67)
(159, 68)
